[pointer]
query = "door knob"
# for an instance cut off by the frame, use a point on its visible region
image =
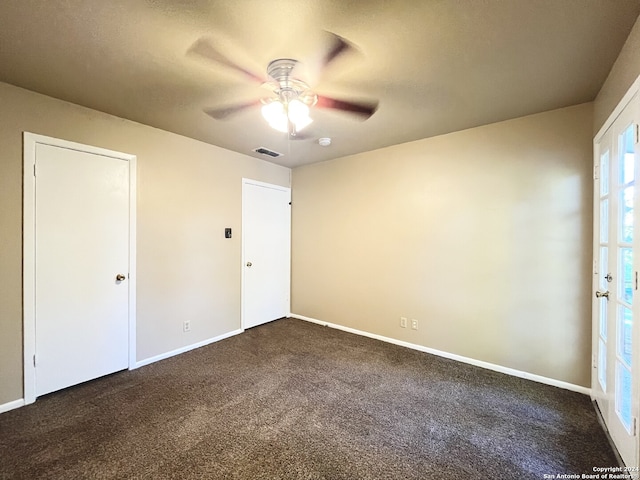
(249, 264)
(120, 277)
(600, 294)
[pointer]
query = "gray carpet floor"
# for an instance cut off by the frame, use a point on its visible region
(293, 400)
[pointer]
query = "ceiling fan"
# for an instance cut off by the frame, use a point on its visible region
(287, 108)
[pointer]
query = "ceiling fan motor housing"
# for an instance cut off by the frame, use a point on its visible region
(286, 86)
(280, 69)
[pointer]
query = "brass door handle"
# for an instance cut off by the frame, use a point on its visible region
(600, 294)
(120, 277)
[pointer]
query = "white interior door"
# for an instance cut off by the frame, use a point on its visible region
(266, 247)
(81, 266)
(615, 308)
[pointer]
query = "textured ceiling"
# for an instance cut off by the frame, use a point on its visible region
(435, 66)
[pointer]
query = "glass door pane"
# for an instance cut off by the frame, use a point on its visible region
(625, 273)
(604, 276)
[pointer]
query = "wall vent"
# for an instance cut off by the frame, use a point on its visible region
(266, 151)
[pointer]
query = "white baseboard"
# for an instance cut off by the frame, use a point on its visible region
(20, 403)
(5, 407)
(178, 351)
(453, 356)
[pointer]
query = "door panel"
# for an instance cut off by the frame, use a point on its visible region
(266, 239)
(82, 243)
(615, 381)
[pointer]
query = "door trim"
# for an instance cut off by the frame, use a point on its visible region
(248, 181)
(30, 140)
(624, 101)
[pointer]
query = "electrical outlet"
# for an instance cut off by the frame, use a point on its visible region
(414, 324)
(403, 322)
(186, 326)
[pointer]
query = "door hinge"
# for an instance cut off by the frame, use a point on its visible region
(637, 139)
(34, 169)
(595, 171)
(34, 360)
(634, 427)
(636, 280)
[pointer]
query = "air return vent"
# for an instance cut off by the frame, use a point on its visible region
(266, 151)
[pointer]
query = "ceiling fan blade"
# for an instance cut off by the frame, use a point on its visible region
(312, 69)
(223, 113)
(336, 47)
(203, 47)
(362, 109)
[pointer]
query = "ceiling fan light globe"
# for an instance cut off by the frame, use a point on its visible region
(273, 111)
(278, 116)
(297, 111)
(302, 123)
(275, 116)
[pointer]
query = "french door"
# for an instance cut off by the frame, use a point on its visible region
(615, 286)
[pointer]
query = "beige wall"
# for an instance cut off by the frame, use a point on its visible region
(483, 236)
(188, 192)
(623, 73)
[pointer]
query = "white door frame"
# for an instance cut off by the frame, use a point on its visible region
(30, 140)
(247, 181)
(622, 105)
